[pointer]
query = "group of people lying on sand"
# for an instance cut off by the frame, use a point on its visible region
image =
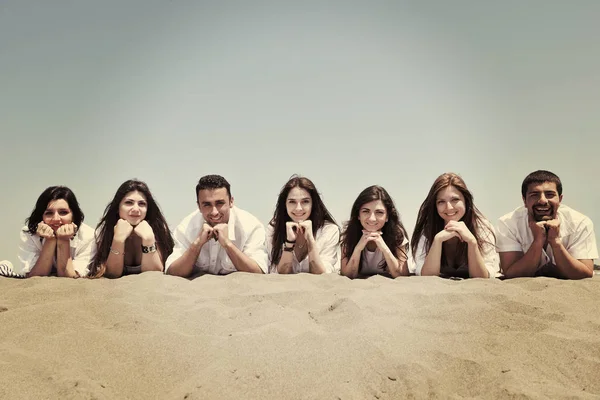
(451, 237)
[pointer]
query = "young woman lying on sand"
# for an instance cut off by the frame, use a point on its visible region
(133, 235)
(374, 240)
(451, 236)
(55, 240)
(302, 236)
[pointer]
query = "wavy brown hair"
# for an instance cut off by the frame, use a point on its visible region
(105, 228)
(429, 222)
(319, 214)
(393, 232)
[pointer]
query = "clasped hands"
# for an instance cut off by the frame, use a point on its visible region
(301, 228)
(545, 231)
(123, 229)
(64, 232)
(219, 232)
(456, 229)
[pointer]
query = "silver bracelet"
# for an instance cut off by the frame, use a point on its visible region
(115, 251)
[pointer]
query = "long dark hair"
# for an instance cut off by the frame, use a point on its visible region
(318, 215)
(50, 194)
(105, 228)
(429, 222)
(393, 232)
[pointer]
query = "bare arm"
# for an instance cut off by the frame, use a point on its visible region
(114, 263)
(240, 261)
(569, 266)
(286, 263)
(64, 262)
(432, 263)
(43, 265)
(350, 266)
(397, 264)
(477, 268)
(184, 265)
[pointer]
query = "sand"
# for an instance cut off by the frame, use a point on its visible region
(247, 336)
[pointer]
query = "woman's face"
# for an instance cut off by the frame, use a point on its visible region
(373, 215)
(133, 207)
(57, 213)
(450, 204)
(298, 204)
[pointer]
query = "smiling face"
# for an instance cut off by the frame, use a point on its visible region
(542, 200)
(133, 207)
(215, 205)
(298, 204)
(450, 204)
(57, 213)
(373, 216)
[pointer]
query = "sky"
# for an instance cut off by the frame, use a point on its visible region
(346, 93)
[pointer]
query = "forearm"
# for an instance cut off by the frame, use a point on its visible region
(432, 263)
(64, 262)
(397, 266)
(43, 266)
(351, 267)
(114, 263)
(476, 263)
(569, 266)
(286, 263)
(315, 262)
(526, 265)
(240, 261)
(151, 261)
(184, 265)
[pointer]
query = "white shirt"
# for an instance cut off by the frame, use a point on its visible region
(371, 261)
(245, 231)
(576, 234)
(82, 246)
(490, 257)
(327, 240)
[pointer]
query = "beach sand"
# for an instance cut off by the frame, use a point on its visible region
(247, 336)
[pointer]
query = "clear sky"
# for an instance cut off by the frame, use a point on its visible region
(347, 93)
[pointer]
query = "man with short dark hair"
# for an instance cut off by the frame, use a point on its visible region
(544, 237)
(238, 238)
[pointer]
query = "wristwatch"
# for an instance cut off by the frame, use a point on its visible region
(286, 248)
(149, 249)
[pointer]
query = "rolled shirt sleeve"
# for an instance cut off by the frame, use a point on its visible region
(582, 243)
(255, 247)
(329, 249)
(30, 247)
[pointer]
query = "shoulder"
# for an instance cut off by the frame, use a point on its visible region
(328, 231)
(85, 232)
(572, 219)
(193, 219)
(245, 219)
(514, 216)
(24, 234)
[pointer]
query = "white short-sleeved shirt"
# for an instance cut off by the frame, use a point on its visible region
(246, 232)
(490, 257)
(576, 234)
(371, 261)
(82, 246)
(327, 240)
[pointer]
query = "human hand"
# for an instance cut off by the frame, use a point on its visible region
(206, 233)
(122, 230)
(66, 232)
(461, 228)
(144, 231)
(553, 230)
(306, 230)
(291, 230)
(538, 229)
(444, 235)
(221, 233)
(44, 231)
